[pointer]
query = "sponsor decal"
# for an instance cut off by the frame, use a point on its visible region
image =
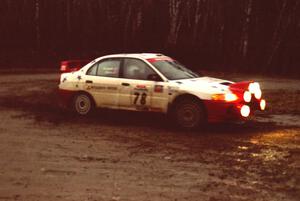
(152, 60)
(112, 88)
(140, 98)
(101, 87)
(140, 86)
(98, 87)
(158, 88)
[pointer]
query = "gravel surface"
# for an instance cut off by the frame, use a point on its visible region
(49, 154)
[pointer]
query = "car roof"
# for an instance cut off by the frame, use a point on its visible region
(135, 55)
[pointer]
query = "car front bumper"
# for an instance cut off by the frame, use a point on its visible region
(218, 111)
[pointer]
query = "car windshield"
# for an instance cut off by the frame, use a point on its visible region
(173, 70)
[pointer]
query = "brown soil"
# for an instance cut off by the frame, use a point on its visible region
(49, 154)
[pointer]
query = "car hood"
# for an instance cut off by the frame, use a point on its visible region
(208, 85)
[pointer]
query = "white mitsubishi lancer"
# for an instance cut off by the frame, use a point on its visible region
(158, 83)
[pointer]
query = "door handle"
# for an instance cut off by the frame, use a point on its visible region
(125, 84)
(89, 81)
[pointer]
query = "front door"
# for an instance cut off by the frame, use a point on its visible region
(137, 92)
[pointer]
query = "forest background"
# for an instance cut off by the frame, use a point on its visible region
(257, 36)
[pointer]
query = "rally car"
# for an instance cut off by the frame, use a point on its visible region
(158, 83)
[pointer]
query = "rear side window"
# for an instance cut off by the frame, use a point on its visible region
(106, 68)
(109, 68)
(93, 70)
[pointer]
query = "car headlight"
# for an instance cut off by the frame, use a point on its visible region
(228, 97)
(254, 88)
(257, 94)
(245, 111)
(247, 96)
(262, 104)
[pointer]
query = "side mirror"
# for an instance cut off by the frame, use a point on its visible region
(154, 77)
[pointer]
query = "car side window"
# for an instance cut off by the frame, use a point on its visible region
(109, 68)
(93, 70)
(106, 68)
(136, 69)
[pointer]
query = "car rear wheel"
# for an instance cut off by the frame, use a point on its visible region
(83, 104)
(189, 114)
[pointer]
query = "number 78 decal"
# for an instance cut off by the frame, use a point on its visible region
(140, 98)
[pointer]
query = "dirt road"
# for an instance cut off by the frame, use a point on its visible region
(48, 154)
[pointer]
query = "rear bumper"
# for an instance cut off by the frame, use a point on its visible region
(218, 111)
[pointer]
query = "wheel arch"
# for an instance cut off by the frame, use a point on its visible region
(87, 93)
(186, 96)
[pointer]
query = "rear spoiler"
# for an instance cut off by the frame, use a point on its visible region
(72, 65)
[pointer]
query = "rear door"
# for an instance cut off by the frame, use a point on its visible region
(102, 82)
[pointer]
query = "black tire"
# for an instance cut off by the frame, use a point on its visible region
(189, 114)
(83, 104)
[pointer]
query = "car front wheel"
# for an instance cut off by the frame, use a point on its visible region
(82, 104)
(189, 114)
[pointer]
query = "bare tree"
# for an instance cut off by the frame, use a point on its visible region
(37, 26)
(246, 27)
(237, 35)
(175, 20)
